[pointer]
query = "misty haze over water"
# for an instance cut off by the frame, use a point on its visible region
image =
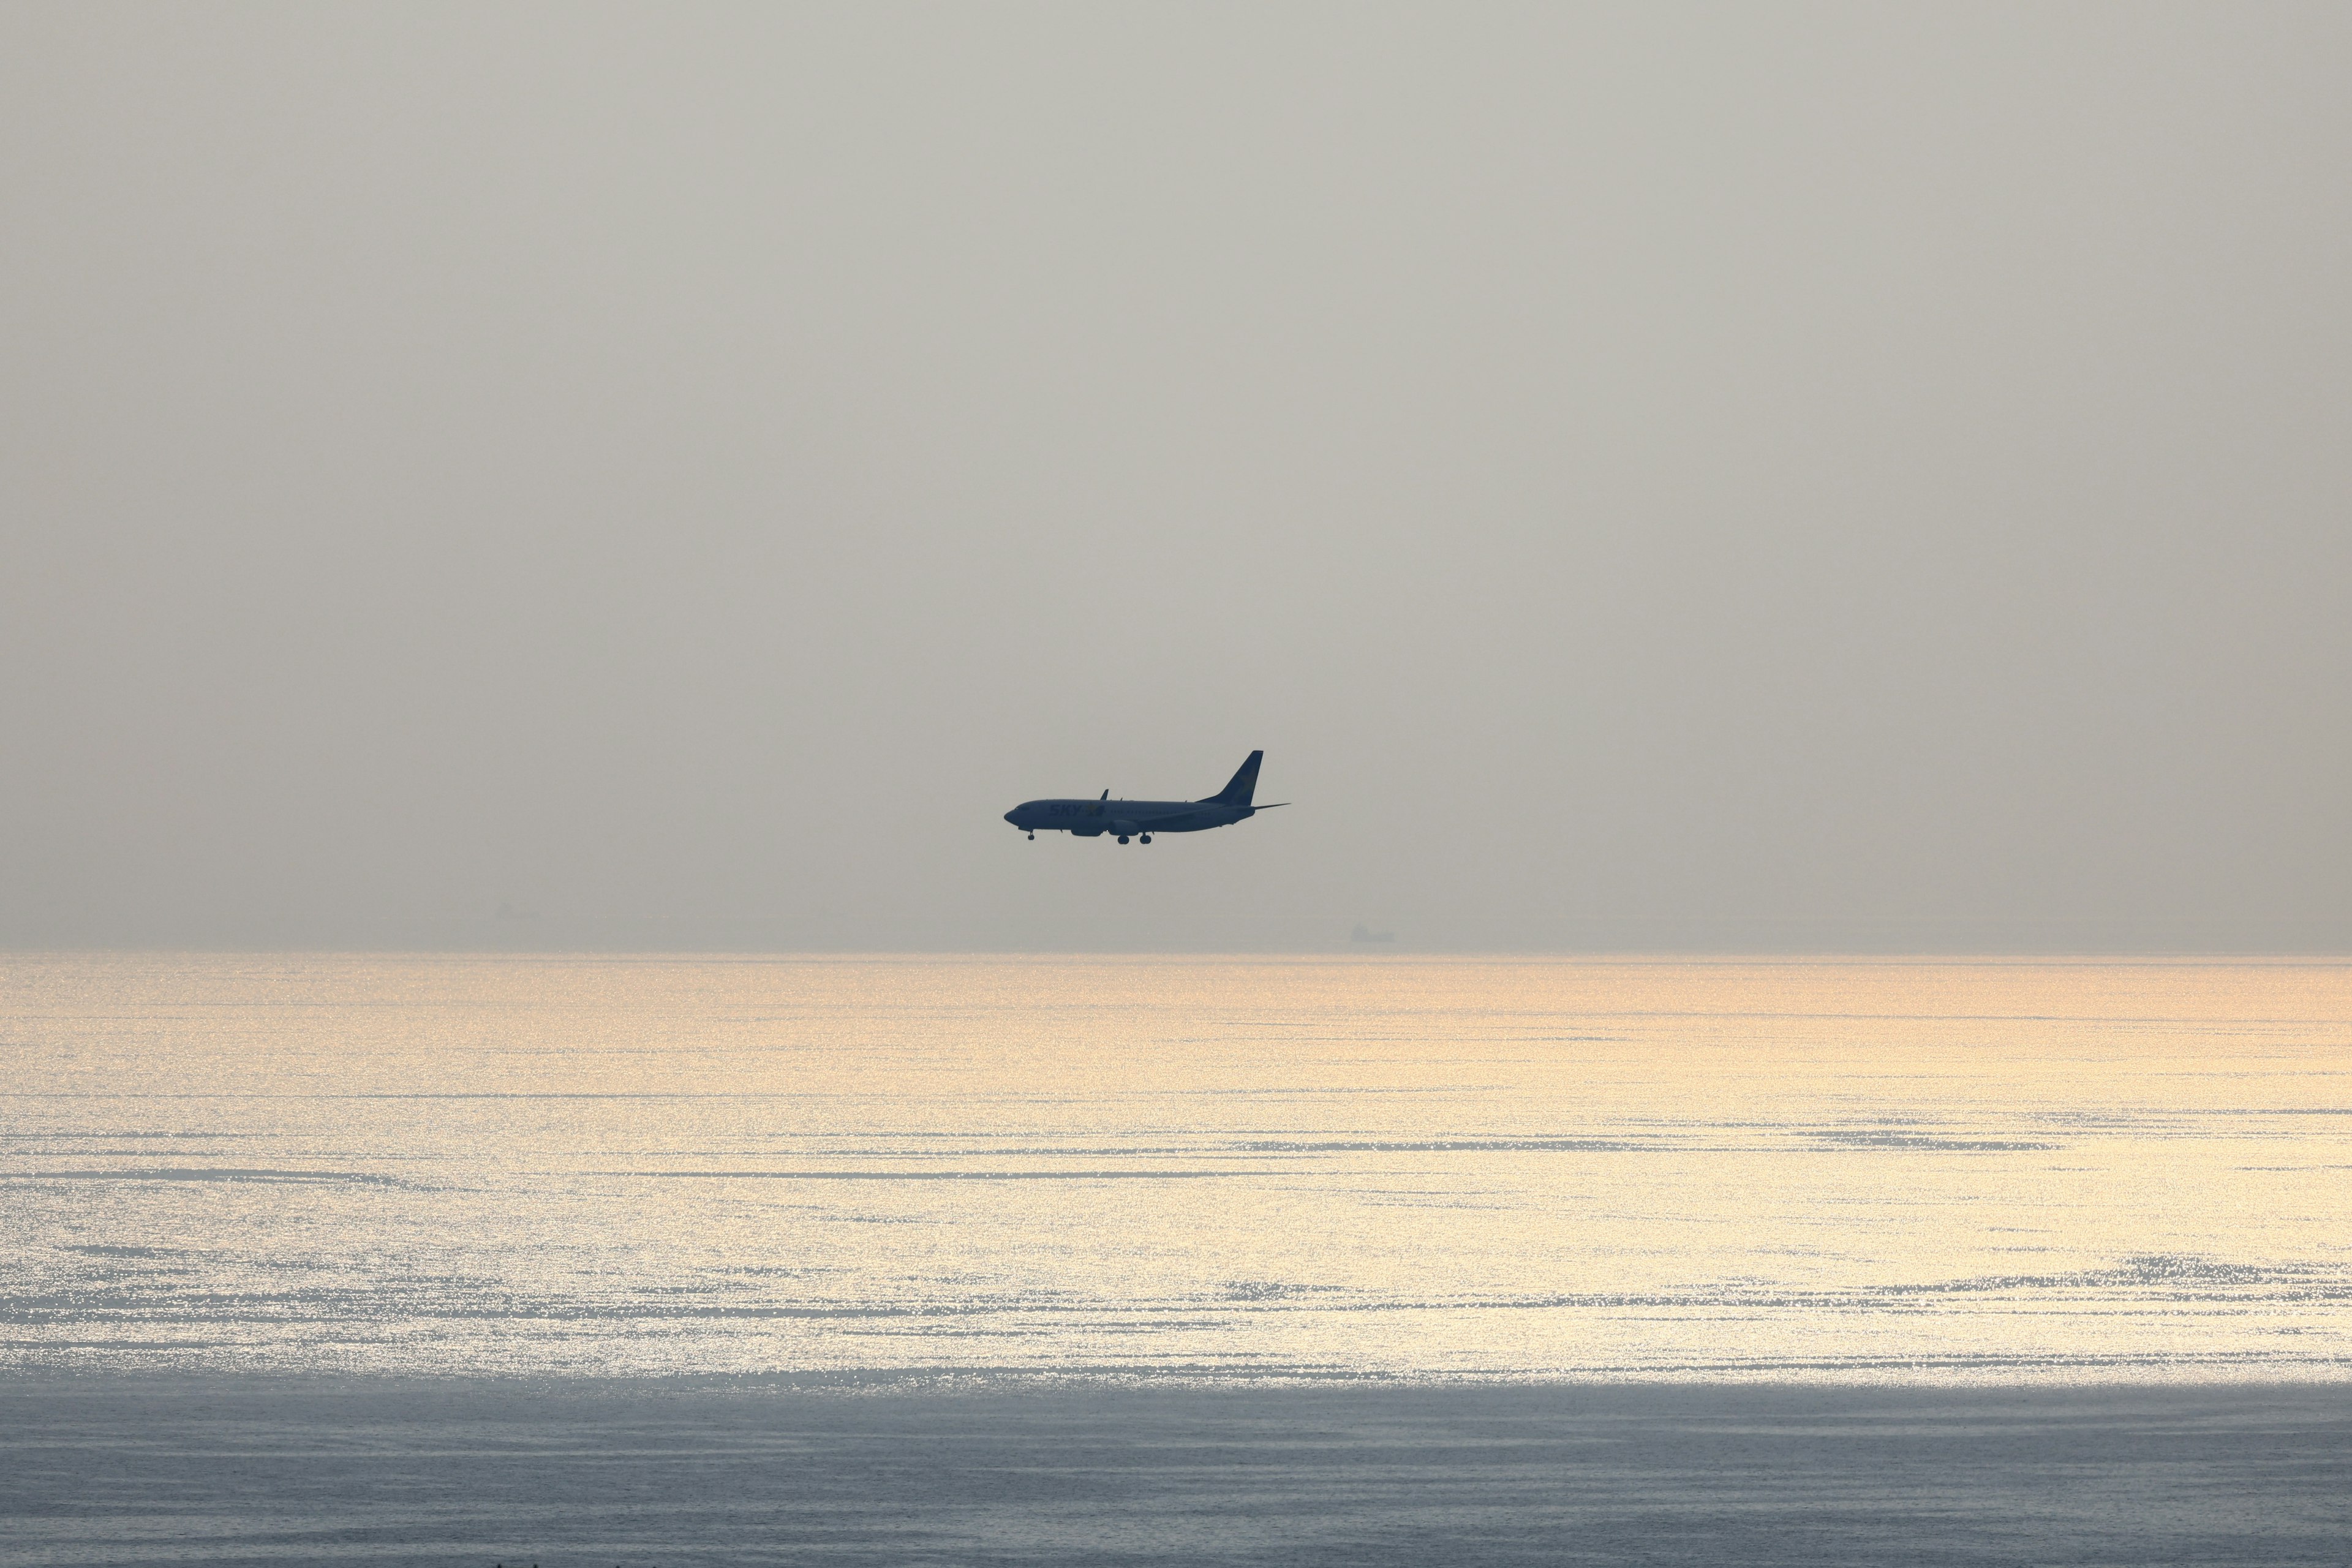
(1813, 479)
(492, 496)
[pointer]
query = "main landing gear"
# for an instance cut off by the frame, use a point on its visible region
(1145, 837)
(1123, 838)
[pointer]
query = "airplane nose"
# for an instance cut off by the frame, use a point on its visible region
(1008, 816)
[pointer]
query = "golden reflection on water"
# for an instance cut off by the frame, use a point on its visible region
(1329, 1167)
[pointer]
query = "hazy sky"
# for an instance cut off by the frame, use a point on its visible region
(1737, 478)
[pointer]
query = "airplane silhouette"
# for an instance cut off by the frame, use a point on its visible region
(1142, 818)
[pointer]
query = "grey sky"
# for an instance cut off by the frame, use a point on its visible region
(1863, 477)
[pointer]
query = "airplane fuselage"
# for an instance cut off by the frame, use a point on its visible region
(1126, 820)
(1088, 818)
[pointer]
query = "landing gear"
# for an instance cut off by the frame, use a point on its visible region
(1032, 835)
(1123, 838)
(1146, 838)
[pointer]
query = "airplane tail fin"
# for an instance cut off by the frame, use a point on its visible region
(1243, 785)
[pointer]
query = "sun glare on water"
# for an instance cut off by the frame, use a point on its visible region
(1185, 1168)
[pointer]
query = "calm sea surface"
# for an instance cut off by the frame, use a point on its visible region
(1177, 1168)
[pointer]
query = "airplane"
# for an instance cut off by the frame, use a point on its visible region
(1142, 818)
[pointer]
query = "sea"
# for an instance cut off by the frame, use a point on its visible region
(1144, 1172)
